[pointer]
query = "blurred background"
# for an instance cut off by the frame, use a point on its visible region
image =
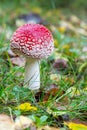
(17, 12)
(64, 14)
(51, 10)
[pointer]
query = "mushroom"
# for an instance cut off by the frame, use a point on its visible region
(35, 42)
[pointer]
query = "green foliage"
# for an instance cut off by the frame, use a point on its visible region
(39, 121)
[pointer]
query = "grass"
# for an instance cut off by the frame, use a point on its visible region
(73, 80)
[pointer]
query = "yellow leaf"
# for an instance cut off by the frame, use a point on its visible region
(74, 126)
(26, 107)
(62, 29)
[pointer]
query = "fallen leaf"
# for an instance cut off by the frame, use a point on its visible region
(11, 53)
(60, 64)
(83, 25)
(48, 128)
(67, 25)
(52, 91)
(81, 31)
(33, 128)
(70, 26)
(75, 126)
(22, 122)
(79, 121)
(20, 61)
(61, 29)
(6, 123)
(74, 19)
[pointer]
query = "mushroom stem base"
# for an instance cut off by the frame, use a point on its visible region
(32, 74)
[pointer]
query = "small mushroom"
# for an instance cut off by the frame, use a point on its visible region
(35, 42)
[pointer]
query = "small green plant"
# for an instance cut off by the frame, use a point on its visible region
(39, 121)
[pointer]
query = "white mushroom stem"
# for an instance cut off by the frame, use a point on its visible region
(32, 74)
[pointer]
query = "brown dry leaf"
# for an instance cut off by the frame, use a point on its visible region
(48, 128)
(52, 91)
(6, 123)
(20, 61)
(60, 64)
(22, 122)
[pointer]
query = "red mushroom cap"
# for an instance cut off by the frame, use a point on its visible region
(33, 40)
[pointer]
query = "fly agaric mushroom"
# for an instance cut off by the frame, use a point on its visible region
(35, 42)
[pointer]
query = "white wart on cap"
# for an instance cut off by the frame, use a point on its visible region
(33, 40)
